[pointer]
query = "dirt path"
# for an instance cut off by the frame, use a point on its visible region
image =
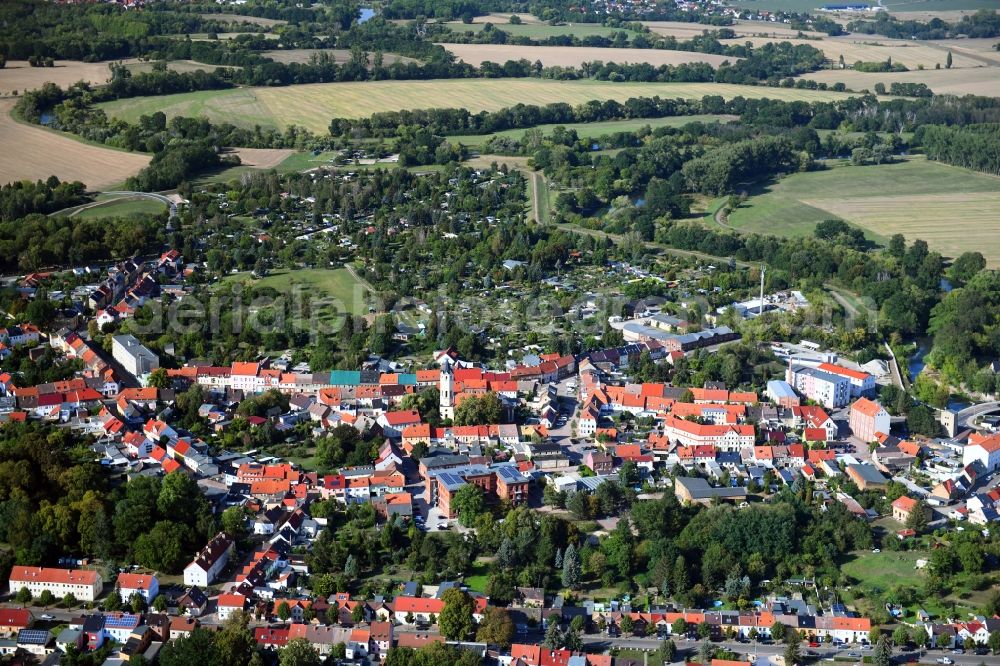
(536, 200)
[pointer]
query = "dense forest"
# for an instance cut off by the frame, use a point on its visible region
(37, 241)
(20, 198)
(55, 500)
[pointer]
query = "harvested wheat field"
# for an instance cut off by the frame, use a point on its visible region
(950, 223)
(312, 106)
(499, 19)
(33, 153)
(239, 18)
(574, 56)
(261, 158)
(853, 49)
(19, 75)
(976, 81)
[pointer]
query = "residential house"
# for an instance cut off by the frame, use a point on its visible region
(867, 419)
(207, 564)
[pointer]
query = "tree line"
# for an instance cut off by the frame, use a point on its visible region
(975, 147)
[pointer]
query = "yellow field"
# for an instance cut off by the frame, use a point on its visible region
(33, 153)
(950, 223)
(572, 56)
(976, 81)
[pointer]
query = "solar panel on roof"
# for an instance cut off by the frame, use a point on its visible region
(33, 636)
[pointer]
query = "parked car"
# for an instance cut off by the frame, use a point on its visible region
(944, 660)
(813, 644)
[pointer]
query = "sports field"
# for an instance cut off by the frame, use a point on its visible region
(33, 153)
(574, 56)
(312, 106)
(952, 209)
(122, 207)
(595, 130)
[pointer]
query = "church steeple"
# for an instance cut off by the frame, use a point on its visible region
(446, 388)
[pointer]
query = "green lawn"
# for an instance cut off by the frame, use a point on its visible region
(595, 130)
(337, 283)
(478, 576)
(952, 209)
(887, 569)
(122, 207)
(540, 30)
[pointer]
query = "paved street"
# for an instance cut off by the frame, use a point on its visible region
(689, 649)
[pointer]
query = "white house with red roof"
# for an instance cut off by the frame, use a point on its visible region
(393, 423)
(84, 585)
(984, 449)
(410, 610)
(207, 564)
(861, 382)
(731, 437)
(229, 604)
(145, 585)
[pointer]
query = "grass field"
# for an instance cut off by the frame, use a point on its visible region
(312, 106)
(880, 573)
(595, 130)
(122, 207)
(951, 208)
(337, 283)
(538, 30)
(574, 56)
(34, 153)
(685, 31)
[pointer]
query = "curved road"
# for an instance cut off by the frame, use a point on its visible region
(150, 195)
(969, 414)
